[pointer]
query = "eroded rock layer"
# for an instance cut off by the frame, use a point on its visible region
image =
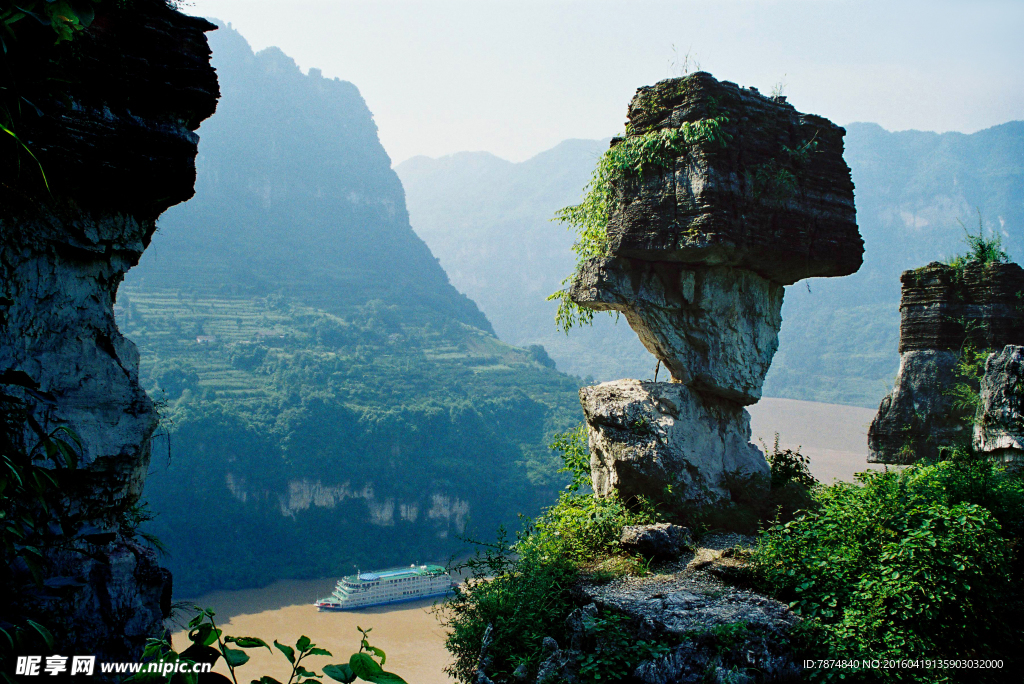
(774, 197)
(942, 306)
(944, 310)
(999, 428)
(646, 435)
(119, 105)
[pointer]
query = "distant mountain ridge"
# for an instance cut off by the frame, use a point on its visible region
(295, 158)
(488, 221)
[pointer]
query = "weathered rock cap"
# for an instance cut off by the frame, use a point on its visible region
(999, 429)
(776, 197)
(715, 328)
(942, 304)
(663, 541)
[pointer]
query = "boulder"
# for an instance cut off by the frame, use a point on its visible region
(646, 435)
(999, 429)
(663, 541)
(715, 328)
(773, 195)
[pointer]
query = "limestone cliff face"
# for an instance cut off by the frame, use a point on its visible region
(116, 141)
(699, 253)
(942, 308)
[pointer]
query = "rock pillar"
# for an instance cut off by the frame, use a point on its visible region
(748, 195)
(943, 311)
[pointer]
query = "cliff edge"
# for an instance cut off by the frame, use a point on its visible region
(112, 127)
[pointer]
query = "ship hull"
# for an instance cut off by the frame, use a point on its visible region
(336, 608)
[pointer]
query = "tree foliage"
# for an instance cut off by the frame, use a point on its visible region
(900, 564)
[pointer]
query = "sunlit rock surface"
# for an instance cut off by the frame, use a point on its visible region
(116, 140)
(646, 435)
(715, 328)
(999, 428)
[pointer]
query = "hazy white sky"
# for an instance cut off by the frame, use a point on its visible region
(517, 77)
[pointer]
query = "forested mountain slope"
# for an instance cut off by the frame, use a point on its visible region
(329, 399)
(488, 221)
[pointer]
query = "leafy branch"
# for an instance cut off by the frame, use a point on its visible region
(209, 644)
(632, 157)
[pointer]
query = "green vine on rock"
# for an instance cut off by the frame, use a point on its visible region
(630, 158)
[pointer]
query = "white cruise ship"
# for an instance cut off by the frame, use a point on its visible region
(387, 586)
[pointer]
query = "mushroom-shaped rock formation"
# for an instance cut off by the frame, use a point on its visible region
(999, 429)
(715, 199)
(118, 106)
(944, 309)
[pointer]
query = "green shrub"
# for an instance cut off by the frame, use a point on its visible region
(521, 590)
(616, 651)
(920, 563)
(981, 249)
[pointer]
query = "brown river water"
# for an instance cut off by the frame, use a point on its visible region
(408, 632)
(833, 436)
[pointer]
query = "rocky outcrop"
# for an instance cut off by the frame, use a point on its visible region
(646, 435)
(750, 197)
(943, 310)
(661, 541)
(119, 105)
(715, 328)
(999, 427)
(717, 632)
(776, 198)
(944, 306)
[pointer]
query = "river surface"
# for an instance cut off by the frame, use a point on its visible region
(833, 436)
(408, 632)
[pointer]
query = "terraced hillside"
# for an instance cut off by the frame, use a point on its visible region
(334, 432)
(329, 400)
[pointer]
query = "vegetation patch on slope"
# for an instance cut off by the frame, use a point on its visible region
(317, 426)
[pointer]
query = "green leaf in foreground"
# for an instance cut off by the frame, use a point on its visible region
(341, 673)
(288, 651)
(234, 657)
(247, 642)
(367, 668)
